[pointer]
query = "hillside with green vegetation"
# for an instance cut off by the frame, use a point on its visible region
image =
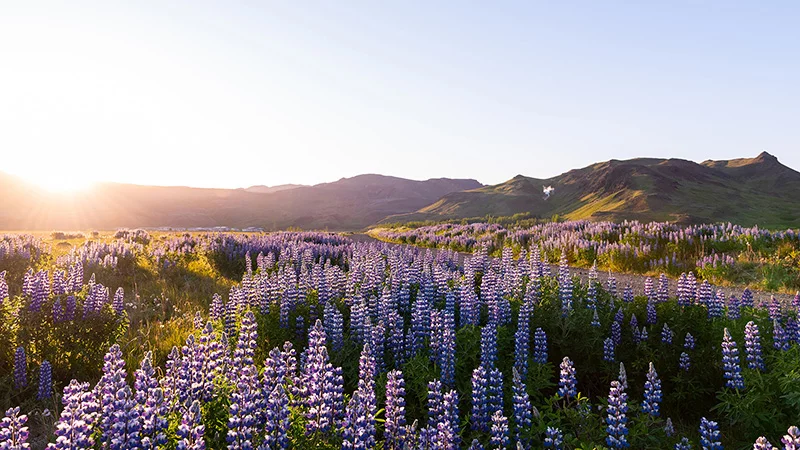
(752, 191)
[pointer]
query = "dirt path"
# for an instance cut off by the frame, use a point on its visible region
(623, 279)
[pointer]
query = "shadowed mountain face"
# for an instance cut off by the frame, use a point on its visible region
(752, 191)
(347, 204)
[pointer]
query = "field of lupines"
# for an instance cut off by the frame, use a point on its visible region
(721, 253)
(326, 343)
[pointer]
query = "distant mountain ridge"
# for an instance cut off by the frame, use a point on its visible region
(347, 204)
(747, 191)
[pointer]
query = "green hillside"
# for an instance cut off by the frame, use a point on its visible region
(749, 191)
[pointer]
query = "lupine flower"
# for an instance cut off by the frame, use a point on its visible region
(20, 369)
(58, 311)
(591, 294)
(617, 420)
(666, 335)
(442, 429)
(447, 350)
(151, 405)
(45, 381)
(567, 381)
(611, 285)
(487, 396)
(554, 439)
(119, 415)
(688, 343)
(217, 308)
(118, 303)
(334, 325)
(752, 345)
(499, 435)
(191, 430)
(522, 409)
(652, 316)
(3, 287)
(623, 376)
(709, 435)
(774, 308)
(522, 341)
(69, 310)
(564, 285)
(616, 332)
(319, 383)
(652, 393)
(649, 290)
(779, 339)
(608, 350)
(669, 429)
(395, 425)
(74, 428)
(684, 444)
(791, 441)
(476, 445)
(627, 294)
(540, 346)
(246, 396)
(595, 319)
(276, 427)
(715, 305)
(13, 432)
(488, 345)
(762, 444)
(684, 362)
(359, 424)
(420, 324)
(747, 298)
(734, 312)
(730, 362)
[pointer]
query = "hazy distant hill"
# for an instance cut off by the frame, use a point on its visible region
(746, 191)
(347, 204)
(261, 189)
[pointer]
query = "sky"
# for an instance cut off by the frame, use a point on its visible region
(232, 94)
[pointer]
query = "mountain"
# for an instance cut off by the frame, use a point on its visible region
(261, 189)
(347, 204)
(746, 191)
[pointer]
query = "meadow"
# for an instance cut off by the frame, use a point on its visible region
(139, 340)
(723, 253)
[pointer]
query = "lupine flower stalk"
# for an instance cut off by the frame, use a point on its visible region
(617, 420)
(730, 362)
(652, 393)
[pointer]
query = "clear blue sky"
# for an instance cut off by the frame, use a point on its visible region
(232, 94)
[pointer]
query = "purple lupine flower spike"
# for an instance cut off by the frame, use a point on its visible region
(791, 441)
(13, 432)
(730, 362)
(617, 420)
(567, 381)
(709, 435)
(652, 393)
(45, 381)
(20, 369)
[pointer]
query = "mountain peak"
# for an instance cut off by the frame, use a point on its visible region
(764, 156)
